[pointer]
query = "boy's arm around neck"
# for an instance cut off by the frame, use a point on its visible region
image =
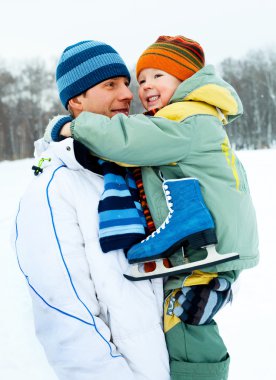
(134, 140)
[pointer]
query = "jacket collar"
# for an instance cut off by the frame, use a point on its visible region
(62, 151)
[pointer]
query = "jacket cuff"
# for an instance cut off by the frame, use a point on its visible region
(200, 371)
(55, 134)
(72, 126)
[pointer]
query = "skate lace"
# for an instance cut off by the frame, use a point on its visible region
(167, 220)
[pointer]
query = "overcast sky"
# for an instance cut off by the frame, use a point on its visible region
(36, 28)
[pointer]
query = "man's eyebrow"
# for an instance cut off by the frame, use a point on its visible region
(116, 78)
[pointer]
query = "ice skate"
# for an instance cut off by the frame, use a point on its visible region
(189, 223)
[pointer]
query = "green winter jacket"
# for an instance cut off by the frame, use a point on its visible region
(186, 139)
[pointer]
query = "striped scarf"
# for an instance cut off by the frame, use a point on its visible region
(142, 196)
(121, 219)
(124, 215)
(124, 221)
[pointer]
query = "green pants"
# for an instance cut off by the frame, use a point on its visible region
(196, 352)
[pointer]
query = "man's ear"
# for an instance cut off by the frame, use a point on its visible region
(76, 104)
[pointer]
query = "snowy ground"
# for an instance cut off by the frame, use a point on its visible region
(248, 326)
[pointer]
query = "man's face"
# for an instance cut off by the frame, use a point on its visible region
(108, 98)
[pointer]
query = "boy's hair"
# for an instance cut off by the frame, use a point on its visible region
(178, 56)
(84, 65)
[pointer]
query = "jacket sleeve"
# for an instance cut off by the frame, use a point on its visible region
(134, 140)
(52, 255)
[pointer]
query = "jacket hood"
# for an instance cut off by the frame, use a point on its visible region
(62, 151)
(207, 87)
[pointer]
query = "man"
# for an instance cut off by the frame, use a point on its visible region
(91, 321)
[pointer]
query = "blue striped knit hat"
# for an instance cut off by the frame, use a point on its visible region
(85, 64)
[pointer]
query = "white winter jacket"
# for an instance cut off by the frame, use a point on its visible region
(92, 322)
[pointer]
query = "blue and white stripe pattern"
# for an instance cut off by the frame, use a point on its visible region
(199, 304)
(121, 219)
(84, 65)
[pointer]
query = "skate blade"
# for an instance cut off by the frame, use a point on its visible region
(138, 274)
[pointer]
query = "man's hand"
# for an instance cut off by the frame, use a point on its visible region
(198, 304)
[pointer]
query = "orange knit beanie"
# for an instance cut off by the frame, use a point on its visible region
(178, 56)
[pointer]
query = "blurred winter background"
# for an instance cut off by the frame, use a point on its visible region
(239, 40)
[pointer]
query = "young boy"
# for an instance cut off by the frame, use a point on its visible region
(189, 221)
(185, 139)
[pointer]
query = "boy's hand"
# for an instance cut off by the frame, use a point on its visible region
(65, 130)
(200, 303)
(55, 126)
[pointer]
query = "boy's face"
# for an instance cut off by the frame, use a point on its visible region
(156, 88)
(108, 98)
